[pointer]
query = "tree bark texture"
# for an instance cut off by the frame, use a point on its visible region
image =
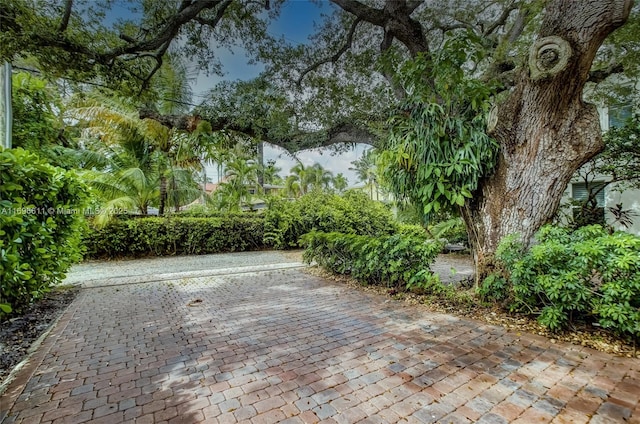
(545, 130)
(163, 195)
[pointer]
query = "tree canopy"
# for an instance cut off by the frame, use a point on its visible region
(423, 77)
(340, 88)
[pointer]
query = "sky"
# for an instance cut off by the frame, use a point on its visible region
(296, 23)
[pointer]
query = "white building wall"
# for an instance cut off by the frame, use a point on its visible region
(614, 193)
(630, 200)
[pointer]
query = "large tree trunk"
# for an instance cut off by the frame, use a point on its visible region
(545, 130)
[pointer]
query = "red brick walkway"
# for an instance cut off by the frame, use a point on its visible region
(287, 347)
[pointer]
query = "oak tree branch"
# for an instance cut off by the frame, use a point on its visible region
(333, 58)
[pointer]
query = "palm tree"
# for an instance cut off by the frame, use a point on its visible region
(117, 125)
(241, 182)
(115, 121)
(182, 188)
(123, 178)
(181, 156)
(318, 177)
(271, 173)
(301, 175)
(339, 182)
(183, 153)
(292, 186)
(365, 169)
(172, 88)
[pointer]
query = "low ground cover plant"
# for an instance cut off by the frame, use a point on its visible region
(588, 275)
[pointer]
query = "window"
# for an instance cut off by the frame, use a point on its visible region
(588, 207)
(619, 114)
(580, 192)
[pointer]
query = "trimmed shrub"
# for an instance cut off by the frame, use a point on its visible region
(174, 236)
(200, 211)
(354, 213)
(583, 275)
(411, 230)
(41, 221)
(400, 261)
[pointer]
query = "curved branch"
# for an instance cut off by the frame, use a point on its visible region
(179, 122)
(597, 76)
(394, 19)
(387, 42)
(127, 38)
(172, 27)
(396, 22)
(341, 133)
(156, 45)
(449, 27)
(158, 57)
(334, 58)
(350, 133)
(502, 19)
(405, 29)
(212, 23)
(364, 12)
(66, 16)
(412, 5)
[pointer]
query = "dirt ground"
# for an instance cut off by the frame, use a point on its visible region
(19, 333)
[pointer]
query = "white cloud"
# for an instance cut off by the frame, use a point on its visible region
(336, 163)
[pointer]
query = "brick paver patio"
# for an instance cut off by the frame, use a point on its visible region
(283, 346)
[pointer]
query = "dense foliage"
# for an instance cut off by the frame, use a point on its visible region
(286, 221)
(41, 220)
(35, 125)
(621, 156)
(132, 163)
(174, 236)
(398, 261)
(38, 125)
(438, 149)
(337, 89)
(585, 275)
(202, 211)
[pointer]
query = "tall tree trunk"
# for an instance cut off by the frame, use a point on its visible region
(163, 194)
(545, 130)
(260, 151)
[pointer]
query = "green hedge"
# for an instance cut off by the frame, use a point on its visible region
(41, 220)
(398, 260)
(584, 275)
(174, 236)
(280, 226)
(200, 211)
(287, 220)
